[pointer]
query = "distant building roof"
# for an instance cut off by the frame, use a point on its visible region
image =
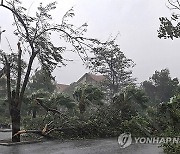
(86, 78)
(89, 77)
(62, 87)
(97, 78)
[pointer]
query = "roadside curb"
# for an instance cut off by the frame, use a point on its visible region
(5, 130)
(6, 143)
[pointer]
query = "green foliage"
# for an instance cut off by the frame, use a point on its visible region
(105, 122)
(170, 28)
(128, 113)
(111, 62)
(130, 101)
(169, 115)
(170, 148)
(167, 30)
(41, 80)
(37, 30)
(5, 120)
(161, 87)
(59, 99)
(171, 111)
(88, 95)
(35, 33)
(139, 125)
(30, 106)
(13, 59)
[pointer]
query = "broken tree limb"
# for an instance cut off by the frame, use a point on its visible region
(38, 132)
(47, 132)
(47, 129)
(44, 132)
(39, 101)
(28, 131)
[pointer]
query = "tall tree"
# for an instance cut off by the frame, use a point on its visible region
(34, 32)
(111, 62)
(161, 87)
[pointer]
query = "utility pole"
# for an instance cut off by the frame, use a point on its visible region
(1, 31)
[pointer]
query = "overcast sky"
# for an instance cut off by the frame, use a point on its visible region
(136, 21)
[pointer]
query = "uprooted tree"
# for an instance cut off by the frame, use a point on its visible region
(35, 39)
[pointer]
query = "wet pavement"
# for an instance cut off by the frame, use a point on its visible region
(5, 135)
(92, 146)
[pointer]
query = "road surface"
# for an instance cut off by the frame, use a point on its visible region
(92, 146)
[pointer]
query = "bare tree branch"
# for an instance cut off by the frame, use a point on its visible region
(22, 22)
(174, 5)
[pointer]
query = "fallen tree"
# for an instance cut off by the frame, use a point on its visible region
(47, 128)
(34, 32)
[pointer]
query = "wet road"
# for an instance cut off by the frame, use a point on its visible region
(5, 135)
(100, 146)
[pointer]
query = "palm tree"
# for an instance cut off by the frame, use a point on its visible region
(87, 95)
(130, 101)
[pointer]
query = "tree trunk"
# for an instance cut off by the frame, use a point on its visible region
(34, 113)
(15, 118)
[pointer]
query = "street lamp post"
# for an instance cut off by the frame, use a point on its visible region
(1, 31)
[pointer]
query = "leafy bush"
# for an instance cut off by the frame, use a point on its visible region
(171, 148)
(172, 112)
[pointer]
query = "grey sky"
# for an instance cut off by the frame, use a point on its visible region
(137, 23)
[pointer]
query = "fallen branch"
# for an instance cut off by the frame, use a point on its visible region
(39, 101)
(44, 132)
(38, 132)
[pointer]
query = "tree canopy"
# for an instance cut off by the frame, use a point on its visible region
(111, 62)
(87, 95)
(170, 28)
(161, 87)
(41, 80)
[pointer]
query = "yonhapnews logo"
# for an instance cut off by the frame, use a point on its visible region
(125, 140)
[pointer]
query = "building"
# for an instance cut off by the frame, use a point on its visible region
(87, 78)
(62, 87)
